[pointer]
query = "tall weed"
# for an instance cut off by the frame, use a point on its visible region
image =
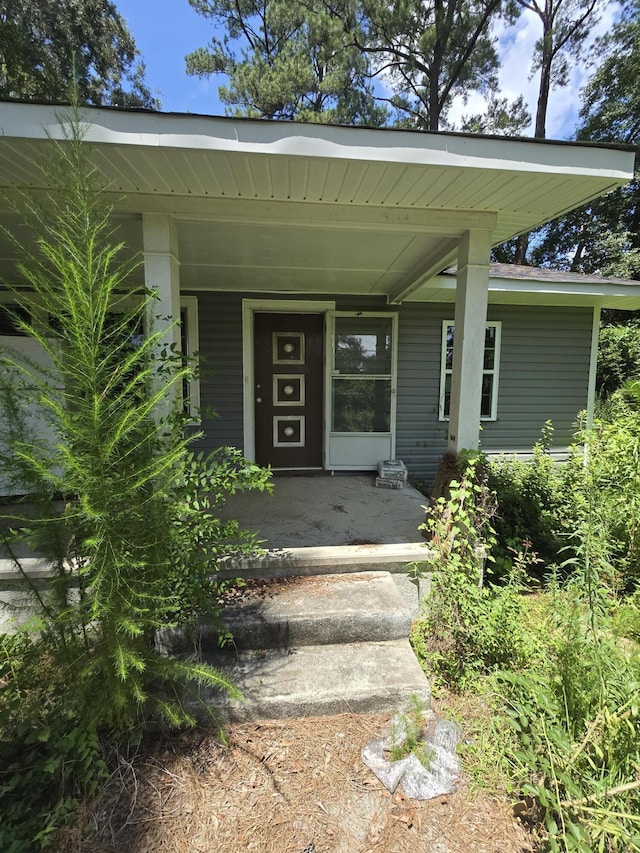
(609, 453)
(577, 713)
(468, 628)
(115, 505)
(578, 723)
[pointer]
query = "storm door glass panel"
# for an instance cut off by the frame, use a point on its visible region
(361, 405)
(363, 346)
(361, 387)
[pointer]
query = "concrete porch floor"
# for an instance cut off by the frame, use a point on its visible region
(324, 511)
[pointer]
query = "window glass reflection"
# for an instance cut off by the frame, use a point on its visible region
(363, 345)
(361, 405)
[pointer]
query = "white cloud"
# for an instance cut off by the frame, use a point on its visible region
(516, 46)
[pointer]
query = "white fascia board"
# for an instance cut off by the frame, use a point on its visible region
(600, 291)
(210, 133)
(603, 294)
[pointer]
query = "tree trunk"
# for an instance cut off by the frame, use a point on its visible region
(546, 61)
(435, 69)
(522, 247)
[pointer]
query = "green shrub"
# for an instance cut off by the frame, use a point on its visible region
(609, 459)
(568, 675)
(577, 711)
(51, 755)
(533, 504)
(618, 357)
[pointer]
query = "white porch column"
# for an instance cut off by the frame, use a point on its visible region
(468, 347)
(162, 276)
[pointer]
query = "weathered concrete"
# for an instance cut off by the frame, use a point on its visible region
(289, 562)
(315, 680)
(310, 646)
(16, 599)
(413, 590)
(34, 567)
(319, 610)
(324, 510)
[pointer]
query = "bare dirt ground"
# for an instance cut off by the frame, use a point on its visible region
(290, 786)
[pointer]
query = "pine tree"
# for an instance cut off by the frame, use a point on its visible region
(285, 59)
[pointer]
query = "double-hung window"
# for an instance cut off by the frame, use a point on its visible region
(490, 369)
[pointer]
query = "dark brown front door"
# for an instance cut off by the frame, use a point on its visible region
(289, 389)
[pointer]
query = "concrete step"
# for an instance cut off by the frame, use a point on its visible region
(290, 562)
(303, 611)
(308, 681)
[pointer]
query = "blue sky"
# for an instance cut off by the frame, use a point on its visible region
(166, 30)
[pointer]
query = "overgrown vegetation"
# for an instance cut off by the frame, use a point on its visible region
(618, 356)
(469, 627)
(121, 509)
(558, 660)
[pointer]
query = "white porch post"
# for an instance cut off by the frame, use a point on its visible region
(468, 347)
(162, 276)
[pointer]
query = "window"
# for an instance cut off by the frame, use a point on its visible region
(189, 336)
(491, 364)
(10, 315)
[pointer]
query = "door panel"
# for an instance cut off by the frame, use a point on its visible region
(289, 389)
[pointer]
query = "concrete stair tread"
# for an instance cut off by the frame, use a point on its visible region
(308, 610)
(373, 677)
(286, 562)
(320, 609)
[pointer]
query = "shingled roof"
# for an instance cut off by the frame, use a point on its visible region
(527, 273)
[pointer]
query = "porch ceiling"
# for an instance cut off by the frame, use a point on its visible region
(281, 207)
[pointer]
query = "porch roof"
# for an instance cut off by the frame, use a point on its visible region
(292, 207)
(510, 284)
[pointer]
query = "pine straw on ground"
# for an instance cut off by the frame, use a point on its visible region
(280, 786)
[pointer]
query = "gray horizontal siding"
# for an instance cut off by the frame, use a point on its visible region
(544, 374)
(220, 328)
(220, 346)
(420, 437)
(544, 370)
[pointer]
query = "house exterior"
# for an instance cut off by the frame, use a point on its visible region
(310, 267)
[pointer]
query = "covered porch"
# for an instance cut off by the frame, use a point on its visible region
(348, 228)
(325, 511)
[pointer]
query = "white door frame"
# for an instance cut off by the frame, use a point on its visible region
(275, 306)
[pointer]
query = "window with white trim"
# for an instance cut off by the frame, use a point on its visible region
(490, 369)
(189, 336)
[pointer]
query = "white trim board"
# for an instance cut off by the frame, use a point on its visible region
(593, 367)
